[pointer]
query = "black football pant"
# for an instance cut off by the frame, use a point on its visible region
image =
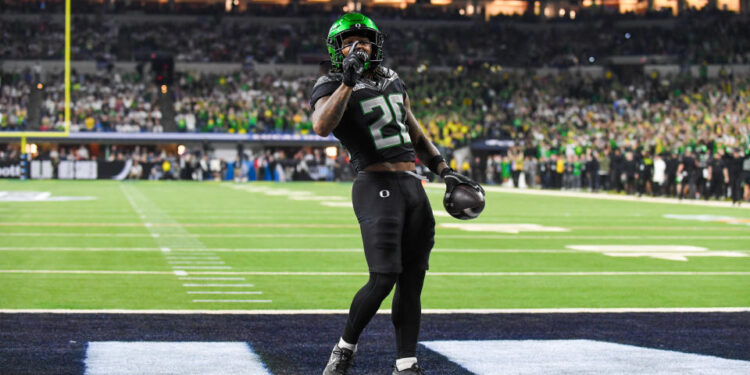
(398, 231)
(717, 189)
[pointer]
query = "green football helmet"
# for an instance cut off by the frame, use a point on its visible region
(354, 24)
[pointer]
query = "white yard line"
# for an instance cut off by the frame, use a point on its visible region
(233, 300)
(216, 292)
(175, 236)
(39, 234)
(572, 310)
(306, 273)
(600, 273)
(214, 278)
(167, 225)
(523, 274)
(332, 226)
(193, 285)
(90, 272)
(357, 235)
(202, 250)
(300, 216)
(60, 248)
(594, 237)
(194, 252)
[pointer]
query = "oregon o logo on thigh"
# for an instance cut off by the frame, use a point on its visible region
(385, 194)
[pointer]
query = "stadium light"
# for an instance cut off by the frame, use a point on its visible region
(332, 151)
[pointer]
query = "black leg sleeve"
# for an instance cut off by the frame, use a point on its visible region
(366, 303)
(407, 311)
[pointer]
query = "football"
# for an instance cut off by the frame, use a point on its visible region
(464, 202)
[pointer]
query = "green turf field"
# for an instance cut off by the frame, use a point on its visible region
(205, 246)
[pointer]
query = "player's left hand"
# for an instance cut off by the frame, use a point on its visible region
(453, 178)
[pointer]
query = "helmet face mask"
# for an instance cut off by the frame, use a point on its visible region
(354, 24)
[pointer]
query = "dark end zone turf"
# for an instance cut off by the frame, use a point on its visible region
(300, 344)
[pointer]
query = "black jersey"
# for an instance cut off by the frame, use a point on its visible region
(717, 169)
(689, 165)
(373, 128)
(734, 167)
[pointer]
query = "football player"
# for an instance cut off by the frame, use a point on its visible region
(366, 106)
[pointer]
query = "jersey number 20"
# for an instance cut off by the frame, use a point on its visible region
(392, 116)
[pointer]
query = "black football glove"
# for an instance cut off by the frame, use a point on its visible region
(354, 65)
(452, 178)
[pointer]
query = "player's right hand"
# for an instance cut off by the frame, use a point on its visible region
(354, 65)
(452, 178)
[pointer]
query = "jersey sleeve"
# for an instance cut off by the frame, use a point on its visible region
(325, 86)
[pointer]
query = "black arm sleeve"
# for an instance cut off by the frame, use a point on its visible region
(325, 86)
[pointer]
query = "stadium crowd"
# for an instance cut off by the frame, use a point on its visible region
(703, 37)
(641, 134)
(568, 131)
(243, 102)
(99, 102)
(655, 135)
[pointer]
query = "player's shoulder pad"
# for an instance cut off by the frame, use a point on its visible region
(390, 76)
(387, 73)
(328, 78)
(324, 86)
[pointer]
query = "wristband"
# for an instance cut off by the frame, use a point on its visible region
(435, 162)
(445, 172)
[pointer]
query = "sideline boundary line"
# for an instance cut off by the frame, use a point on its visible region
(602, 196)
(572, 310)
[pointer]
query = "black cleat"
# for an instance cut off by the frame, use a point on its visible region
(340, 362)
(413, 370)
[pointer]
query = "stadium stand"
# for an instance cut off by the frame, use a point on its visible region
(708, 37)
(586, 116)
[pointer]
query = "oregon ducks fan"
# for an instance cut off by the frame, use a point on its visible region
(366, 106)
